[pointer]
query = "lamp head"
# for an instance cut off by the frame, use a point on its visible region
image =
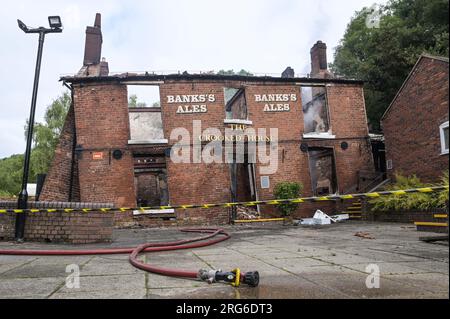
(22, 26)
(54, 22)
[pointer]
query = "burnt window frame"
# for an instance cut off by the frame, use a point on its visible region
(145, 109)
(141, 84)
(329, 133)
(240, 91)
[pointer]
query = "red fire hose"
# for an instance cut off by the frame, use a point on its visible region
(234, 277)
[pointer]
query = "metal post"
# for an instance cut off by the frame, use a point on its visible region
(23, 196)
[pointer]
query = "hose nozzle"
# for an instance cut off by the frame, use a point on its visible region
(234, 277)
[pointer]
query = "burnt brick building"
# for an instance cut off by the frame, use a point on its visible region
(315, 133)
(416, 123)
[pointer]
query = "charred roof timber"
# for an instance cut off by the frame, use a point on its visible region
(147, 77)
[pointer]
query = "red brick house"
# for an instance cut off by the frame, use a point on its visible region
(415, 125)
(109, 152)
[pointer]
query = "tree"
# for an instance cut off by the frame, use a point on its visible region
(133, 101)
(11, 169)
(45, 139)
(231, 72)
(383, 55)
(46, 135)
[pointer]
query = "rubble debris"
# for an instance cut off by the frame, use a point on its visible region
(247, 213)
(340, 217)
(320, 218)
(364, 235)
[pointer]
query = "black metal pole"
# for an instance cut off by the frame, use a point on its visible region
(23, 196)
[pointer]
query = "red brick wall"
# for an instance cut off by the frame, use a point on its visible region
(57, 183)
(102, 125)
(74, 227)
(411, 126)
(200, 183)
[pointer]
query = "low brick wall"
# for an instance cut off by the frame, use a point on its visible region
(73, 227)
(409, 216)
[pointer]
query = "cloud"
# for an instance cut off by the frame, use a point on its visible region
(261, 36)
(72, 17)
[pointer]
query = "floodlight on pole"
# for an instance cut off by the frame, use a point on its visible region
(54, 22)
(55, 27)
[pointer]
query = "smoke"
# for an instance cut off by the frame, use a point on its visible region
(314, 110)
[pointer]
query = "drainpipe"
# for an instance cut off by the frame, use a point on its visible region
(233, 189)
(74, 143)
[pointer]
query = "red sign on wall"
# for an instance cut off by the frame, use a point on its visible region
(97, 155)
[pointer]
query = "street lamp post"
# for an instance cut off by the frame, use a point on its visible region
(55, 27)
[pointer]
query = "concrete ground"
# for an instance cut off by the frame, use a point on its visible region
(293, 262)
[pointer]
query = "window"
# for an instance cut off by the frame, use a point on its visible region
(315, 112)
(235, 106)
(143, 96)
(144, 111)
(444, 137)
(389, 164)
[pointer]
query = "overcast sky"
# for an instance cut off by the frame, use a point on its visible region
(261, 36)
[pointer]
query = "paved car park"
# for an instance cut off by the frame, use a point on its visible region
(293, 261)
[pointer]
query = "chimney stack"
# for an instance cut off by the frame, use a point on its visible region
(319, 65)
(93, 45)
(92, 65)
(288, 73)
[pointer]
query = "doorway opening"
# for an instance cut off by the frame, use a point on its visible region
(243, 189)
(150, 178)
(322, 168)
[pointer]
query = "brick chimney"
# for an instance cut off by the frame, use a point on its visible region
(93, 45)
(93, 65)
(288, 73)
(319, 65)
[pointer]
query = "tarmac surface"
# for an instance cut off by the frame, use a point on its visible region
(313, 262)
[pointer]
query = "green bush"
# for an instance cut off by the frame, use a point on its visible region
(414, 200)
(287, 190)
(443, 196)
(6, 195)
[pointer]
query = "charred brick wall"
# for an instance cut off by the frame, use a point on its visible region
(201, 183)
(102, 126)
(411, 125)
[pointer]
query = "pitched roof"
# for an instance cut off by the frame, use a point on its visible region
(422, 56)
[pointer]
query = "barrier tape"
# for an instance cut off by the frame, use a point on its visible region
(227, 205)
